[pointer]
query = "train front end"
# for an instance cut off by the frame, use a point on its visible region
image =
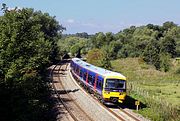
(114, 90)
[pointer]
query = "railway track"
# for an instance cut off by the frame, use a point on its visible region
(129, 114)
(74, 111)
(64, 98)
(126, 115)
(61, 103)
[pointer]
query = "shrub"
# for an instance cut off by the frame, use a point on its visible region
(178, 71)
(165, 62)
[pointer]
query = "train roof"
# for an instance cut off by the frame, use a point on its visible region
(100, 71)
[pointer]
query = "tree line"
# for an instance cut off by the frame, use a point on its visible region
(155, 44)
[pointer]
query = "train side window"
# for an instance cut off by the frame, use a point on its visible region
(84, 76)
(91, 79)
(77, 70)
(100, 83)
(81, 73)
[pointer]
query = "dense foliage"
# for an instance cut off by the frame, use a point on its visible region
(155, 44)
(28, 43)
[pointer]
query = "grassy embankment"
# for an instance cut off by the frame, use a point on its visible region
(160, 91)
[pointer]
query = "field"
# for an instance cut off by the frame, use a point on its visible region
(160, 91)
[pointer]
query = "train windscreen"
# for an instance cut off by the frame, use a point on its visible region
(115, 84)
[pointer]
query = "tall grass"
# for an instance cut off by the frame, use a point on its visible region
(154, 88)
(160, 109)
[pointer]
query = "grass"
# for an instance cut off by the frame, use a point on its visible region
(138, 71)
(155, 88)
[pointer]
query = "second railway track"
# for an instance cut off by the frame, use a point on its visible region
(75, 111)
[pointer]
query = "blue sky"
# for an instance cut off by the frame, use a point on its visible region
(93, 16)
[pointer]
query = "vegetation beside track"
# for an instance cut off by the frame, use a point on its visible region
(27, 46)
(158, 90)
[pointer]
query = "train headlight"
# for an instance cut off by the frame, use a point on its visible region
(107, 92)
(120, 93)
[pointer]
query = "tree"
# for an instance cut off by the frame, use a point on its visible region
(109, 38)
(99, 58)
(174, 41)
(113, 49)
(151, 54)
(75, 49)
(105, 60)
(168, 25)
(165, 61)
(98, 40)
(168, 45)
(51, 29)
(82, 35)
(72, 44)
(4, 8)
(27, 45)
(94, 57)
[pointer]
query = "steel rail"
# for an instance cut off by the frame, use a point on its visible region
(61, 100)
(59, 97)
(84, 113)
(133, 117)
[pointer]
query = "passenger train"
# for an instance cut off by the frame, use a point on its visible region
(108, 86)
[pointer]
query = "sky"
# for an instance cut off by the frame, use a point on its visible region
(94, 16)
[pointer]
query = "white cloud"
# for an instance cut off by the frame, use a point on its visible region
(71, 21)
(15, 8)
(90, 25)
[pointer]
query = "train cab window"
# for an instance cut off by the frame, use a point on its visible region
(115, 83)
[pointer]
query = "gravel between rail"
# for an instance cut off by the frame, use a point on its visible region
(59, 110)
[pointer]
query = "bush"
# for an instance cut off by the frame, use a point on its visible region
(165, 62)
(94, 57)
(178, 71)
(98, 58)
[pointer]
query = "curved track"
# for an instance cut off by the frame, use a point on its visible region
(64, 98)
(55, 71)
(69, 99)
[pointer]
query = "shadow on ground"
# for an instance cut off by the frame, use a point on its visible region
(57, 112)
(66, 91)
(129, 103)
